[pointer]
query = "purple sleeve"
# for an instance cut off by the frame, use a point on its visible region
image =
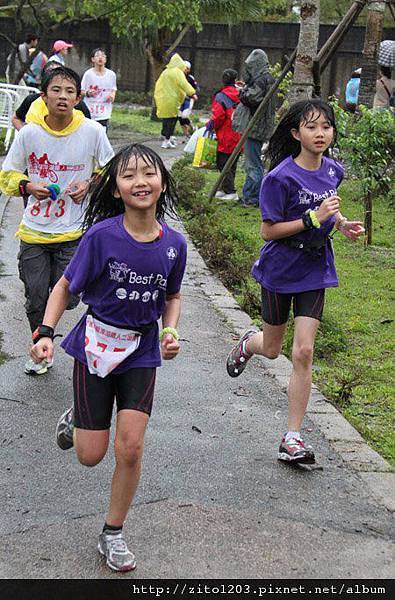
(272, 199)
(177, 273)
(83, 267)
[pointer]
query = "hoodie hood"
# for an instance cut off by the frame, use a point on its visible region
(38, 111)
(256, 64)
(232, 92)
(176, 62)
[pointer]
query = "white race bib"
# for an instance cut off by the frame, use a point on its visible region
(107, 346)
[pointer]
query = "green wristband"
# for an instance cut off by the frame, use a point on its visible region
(170, 330)
(314, 219)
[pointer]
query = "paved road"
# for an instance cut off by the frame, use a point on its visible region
(213, 501)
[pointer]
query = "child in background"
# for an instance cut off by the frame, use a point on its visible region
(58, 147)
(99, 86)
(129, 268)
(300, 208)
(222, 109)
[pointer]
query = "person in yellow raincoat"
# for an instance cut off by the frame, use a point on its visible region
(170, 91)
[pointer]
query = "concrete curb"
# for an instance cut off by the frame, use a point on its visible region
(375, 471)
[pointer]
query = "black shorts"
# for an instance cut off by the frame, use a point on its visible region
(94, 395)
(276, 307)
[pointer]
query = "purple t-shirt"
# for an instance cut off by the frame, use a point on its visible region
(125, 282)
(286, 193)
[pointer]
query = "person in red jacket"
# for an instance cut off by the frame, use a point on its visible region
(223, 105)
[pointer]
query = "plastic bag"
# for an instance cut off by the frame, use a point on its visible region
(205, 156)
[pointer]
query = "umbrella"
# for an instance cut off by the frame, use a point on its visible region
(387, 53)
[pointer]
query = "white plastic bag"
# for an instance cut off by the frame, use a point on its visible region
(190, 146)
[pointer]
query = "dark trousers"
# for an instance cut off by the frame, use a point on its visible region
(40, 267)
(168, 127)
(228, 184)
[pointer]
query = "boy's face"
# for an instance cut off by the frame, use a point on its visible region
(61, 96)
(99, 59)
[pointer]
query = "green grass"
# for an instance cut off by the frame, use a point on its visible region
(138, 120)
(355, 345)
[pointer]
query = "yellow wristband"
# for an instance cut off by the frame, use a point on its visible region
(170, 330)
(314, 219)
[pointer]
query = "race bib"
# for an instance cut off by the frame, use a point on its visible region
(107, 346)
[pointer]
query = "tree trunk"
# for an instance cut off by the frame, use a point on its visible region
(368, 221)
(374, 26)
(303, 80)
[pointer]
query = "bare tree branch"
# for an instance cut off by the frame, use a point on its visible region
(178, 39)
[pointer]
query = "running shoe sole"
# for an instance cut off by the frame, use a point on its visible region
(305, 460)
(68, 443)
(40, 372)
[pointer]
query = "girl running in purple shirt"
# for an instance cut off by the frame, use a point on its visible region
(128, 269)
(300, 207)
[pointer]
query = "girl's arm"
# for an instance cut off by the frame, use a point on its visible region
(276, 231)
(169, 345)
(56, 305)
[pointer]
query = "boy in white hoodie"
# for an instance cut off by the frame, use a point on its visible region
(60, 149)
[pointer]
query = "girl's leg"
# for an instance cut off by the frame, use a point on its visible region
(129, 442)
(300, 381)
(268, 342)
(90, 446)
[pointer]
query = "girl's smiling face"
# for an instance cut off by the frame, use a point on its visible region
(315, 134)
(139, 184)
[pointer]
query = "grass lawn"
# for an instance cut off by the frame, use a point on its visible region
(353, 363)
(138, 120)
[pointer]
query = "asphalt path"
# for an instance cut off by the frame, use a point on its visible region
(213, 500)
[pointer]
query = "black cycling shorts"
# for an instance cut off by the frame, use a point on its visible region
(276, 307)
(94, 395)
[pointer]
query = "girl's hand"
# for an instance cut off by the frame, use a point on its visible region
(351, 229)
(38, 190)
(42, 350)
(77, 191)
(169, 347)
(328, 208)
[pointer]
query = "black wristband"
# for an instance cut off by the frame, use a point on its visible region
(306, 218)
(22, 187)
(41, 332)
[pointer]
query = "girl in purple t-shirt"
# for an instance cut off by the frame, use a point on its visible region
(128, 268)
(300, 207)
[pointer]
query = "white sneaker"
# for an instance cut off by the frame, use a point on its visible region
(219, 194)
(168, 144)
(115, 550)
(233, 196)
(33, 368)
(173, 140)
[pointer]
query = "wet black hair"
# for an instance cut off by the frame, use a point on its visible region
(282, 143)
(229, 76)
(102, 202)
(64, 72)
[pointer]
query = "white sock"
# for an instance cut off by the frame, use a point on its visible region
(292, 434)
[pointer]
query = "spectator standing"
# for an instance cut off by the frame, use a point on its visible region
(60, 50)
(21, 57)
(187, 105)
(99, 86)
(223, 106)
(352, 90)
(32, 77)
(257, 83)
(384, 88)
(171, 89)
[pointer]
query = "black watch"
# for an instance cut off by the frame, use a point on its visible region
(306, 218)
(22, 187)
(41, 332)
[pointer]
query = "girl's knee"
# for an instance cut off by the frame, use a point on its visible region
(89, 458)
(128, 450)
(272, 352)
(303, 354)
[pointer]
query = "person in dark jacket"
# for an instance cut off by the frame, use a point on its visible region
(257, 83)
(223, 106)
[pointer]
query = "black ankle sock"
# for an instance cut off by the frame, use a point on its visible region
(111, 528)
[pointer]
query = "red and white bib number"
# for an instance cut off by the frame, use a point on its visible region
(107, 346)
(48, 209)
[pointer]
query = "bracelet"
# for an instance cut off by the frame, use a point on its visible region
(22, 187)
(170, 330)
(314, 219)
